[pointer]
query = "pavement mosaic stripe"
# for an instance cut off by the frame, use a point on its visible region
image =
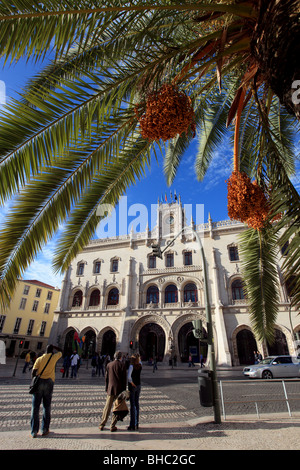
(72, 406)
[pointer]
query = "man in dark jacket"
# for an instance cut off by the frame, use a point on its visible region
(115, 383)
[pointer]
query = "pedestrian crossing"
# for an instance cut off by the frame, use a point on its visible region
(81, 404)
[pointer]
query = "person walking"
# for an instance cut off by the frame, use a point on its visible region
(134, 386)
(33, 357)
(201, 360)
(94, 364)
(191, 362)
(115, 383)
(27, 361)
(100, 367)
(66, 365)
(74, 364)
(45, 389)
(154, 363)
(259, 356)
(106, 361)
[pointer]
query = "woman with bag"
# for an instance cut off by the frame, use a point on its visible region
(134, 386)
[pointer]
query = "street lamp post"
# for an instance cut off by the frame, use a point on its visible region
(210, 340)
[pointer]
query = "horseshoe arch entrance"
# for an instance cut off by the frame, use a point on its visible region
(152, 342)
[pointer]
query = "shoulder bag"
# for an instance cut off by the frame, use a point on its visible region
(35, 380)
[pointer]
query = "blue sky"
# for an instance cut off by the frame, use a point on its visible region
(211, 192)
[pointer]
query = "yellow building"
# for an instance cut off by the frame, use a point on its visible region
(27, 323)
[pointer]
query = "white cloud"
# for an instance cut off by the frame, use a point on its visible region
(41, 270)
(219, 170)
(2, 93)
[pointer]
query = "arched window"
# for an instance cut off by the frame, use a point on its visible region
(152, 295)
(94, 298)
(237, 290)
(77, 299)
(190, 293)
(113, 297)
(171, 294)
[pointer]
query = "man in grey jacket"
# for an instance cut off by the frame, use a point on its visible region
(115, 383)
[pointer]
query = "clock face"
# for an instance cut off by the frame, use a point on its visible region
(170, 220)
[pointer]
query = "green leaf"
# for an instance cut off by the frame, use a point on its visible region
(259, 251)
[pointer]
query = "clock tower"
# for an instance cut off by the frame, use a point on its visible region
(170, 218)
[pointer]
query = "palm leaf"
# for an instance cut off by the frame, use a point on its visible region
(106, 189)
(70, 142)
(259, 255)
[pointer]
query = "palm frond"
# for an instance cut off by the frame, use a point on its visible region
(107, 188)
(285, 202)
(71, 140)
(213, 128)
(259, 254)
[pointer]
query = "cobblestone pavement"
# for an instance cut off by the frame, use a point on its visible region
(81, 404)
(170, 418)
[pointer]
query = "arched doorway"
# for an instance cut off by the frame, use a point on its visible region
(89, 344)
(246, 345)
(152, 342)
(279, 346)
(188, 344)
(109, 343)
(69, 343)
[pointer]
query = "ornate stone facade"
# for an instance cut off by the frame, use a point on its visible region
(116, 295)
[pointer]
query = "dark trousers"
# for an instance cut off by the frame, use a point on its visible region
(43, 395)
(134, 405)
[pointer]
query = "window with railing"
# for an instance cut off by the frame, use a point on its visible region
(152, 295)
(169, 260)
(30, 327)
(26, 290)
(2, 321)
(38, 292)
(188, 258)
(113, 297)
(171, 294)
(17, 325)
(94, 298)
(237, 290)
(47, 308)
(152, 262)
(233, 253)
(22, 304)
(97, 267)
(43, 328)
(77, 299)
(190, 293)
(80, 269)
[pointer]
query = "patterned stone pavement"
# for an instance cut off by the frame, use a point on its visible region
(79, 404)
(170, 418)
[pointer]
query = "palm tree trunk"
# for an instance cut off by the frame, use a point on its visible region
(276, 48)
